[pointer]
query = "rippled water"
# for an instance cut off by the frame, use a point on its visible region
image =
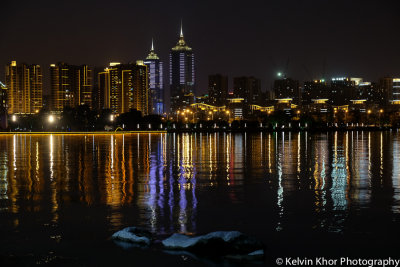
(62, 196)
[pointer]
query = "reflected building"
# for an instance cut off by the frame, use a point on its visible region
(24, 88)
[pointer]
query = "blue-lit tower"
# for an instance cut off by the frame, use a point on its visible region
(156, 84)
(181, 75)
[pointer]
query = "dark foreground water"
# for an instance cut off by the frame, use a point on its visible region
(326, 194)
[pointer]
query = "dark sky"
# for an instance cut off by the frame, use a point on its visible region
(355, 38)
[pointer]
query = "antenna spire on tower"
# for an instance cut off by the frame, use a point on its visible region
(181, 30)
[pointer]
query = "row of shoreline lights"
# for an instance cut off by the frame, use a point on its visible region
(185, 111)
(50, 118)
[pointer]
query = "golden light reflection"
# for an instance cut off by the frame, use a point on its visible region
(165, 176)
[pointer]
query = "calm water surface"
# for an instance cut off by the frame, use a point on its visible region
(302, 194)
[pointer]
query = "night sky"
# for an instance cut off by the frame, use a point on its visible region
(354, 38)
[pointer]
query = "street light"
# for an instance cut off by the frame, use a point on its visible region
(111, 117)
(51, 118)
(14, 118)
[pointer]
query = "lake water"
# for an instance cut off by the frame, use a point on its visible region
(63, 196)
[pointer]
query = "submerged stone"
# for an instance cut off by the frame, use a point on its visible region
(214, 243)
(133, 235)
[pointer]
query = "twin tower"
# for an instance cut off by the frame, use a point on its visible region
(181, 77)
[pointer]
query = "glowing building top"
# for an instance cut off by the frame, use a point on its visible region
(152, 54)
(181, 45)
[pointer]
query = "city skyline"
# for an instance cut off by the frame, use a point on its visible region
(232, 46)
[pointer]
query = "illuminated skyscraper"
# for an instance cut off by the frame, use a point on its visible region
(25, 86)
(125, 87)
(181, 75)
(71, 86)
(155, 67)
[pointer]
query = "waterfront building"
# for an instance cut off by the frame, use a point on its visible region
(316, 89)
(24, 88)
(181, 75)
(204, 99)
(71, 86)
(217, 89)
(125, 87)
(287, 88)
(390, 88)
(156, 81)
(237, 107)
(3, 106)
(97, 95)
(342, 90)
(370, 92)
(248, 88)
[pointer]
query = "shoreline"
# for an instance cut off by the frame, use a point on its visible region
(241, 130)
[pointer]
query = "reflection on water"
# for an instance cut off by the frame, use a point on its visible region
(165, 177)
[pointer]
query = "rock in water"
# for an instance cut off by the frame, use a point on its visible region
(214, 243)
(133, 235)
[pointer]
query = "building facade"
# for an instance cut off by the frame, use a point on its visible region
(248, 88)
(3, 106)
(314, 90)
(125, 87)
(156, 82)
(390, 88)
(181, 75)
(287, 88)
(217, 89)
(71, 86)
(24, 87)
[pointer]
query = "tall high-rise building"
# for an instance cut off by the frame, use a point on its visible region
(248, 88)
(71, 86)
(287, 88)
(97, 95)
(125, 87)
(217, 89)
(181, 75)
(156, 84)
(24, 88)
